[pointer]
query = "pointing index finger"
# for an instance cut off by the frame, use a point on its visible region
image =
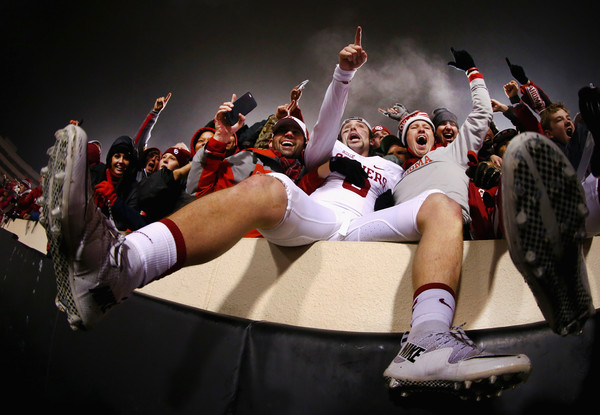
(358, 36)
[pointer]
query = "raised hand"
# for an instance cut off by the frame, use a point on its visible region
(285, 110)
(396, 112)
(511, 89)
(297, 91)
(497, 106)
(282, 111)
(161, 103)
(518, 72)
(353, 56)
(224, 131)
(462, 60)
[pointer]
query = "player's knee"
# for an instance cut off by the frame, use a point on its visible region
(442, 210)
(265, 192)
(269, 186)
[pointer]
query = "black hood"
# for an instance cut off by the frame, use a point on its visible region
(123, 144)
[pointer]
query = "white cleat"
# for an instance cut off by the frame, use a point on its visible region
(543, 212)
(84, 245)
(451, 362)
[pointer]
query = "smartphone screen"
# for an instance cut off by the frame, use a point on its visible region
(243, 105)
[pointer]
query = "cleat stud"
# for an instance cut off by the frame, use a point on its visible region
(468, 384)
(507, 377)
(521, 218)
(493, 379)
(530, 257)
(539, 272)
(394, 383)
(404, 394)
(569, 171)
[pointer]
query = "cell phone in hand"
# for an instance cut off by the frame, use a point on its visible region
(243, 105)
(302, 85)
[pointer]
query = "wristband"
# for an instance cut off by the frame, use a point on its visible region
(474, 73)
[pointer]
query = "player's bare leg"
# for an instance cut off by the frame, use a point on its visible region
(439, 255)
(216, 222)
(433, 356)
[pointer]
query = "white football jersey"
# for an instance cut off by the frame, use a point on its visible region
(337, 191)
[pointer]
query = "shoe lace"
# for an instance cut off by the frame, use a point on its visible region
(456, 338)
(459, 334)
(109, 233)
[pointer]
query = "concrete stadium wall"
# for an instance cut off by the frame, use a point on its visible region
(347, 286)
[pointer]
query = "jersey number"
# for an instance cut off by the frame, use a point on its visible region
(361, 191)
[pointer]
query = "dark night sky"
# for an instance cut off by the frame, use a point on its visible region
(107, 62)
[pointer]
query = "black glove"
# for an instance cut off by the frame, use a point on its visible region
(589, 106)
(385, 200)
(486, 150)
(462, 60)
(487, 175)
(489, 200)
(352, 169)
(484, 175)
(518, 72)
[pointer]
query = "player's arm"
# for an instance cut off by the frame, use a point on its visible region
(327, 127)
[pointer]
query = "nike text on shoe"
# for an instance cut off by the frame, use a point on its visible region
(450, 362)
(544, 211)
(83, 244)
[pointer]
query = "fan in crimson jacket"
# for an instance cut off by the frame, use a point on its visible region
(214, 169)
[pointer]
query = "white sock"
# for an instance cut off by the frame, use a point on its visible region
(152, 250)
(434, 306)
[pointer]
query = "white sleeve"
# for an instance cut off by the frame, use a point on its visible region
(324, 135)
(477, 124)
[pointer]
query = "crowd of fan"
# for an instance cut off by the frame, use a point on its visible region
(19, 200)
(436, 182)
(137, 184)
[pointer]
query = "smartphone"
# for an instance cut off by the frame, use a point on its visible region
(243, 105)
(302, 85)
